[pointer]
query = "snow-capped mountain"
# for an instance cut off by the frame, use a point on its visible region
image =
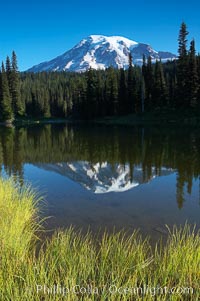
(102, 178)
(100, 52)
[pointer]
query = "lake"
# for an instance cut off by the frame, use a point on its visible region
(100, 177)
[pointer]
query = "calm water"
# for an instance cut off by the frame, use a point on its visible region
(104, 177)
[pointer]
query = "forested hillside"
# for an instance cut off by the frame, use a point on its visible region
(97, 93)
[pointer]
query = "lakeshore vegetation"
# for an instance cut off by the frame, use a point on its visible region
(172, 86)
(73, 266)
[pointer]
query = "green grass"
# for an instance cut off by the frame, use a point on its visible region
(18, 218)
(98, 265)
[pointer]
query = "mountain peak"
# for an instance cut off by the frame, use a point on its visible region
(101, 52)
(111, 39)
(96, 38)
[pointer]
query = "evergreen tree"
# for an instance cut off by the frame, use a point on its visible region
(159, 92)
(143, 95)
(17, 104)
(182, 68)
(90, 104)
(144, 66)
(193, 76)
(112, 91)
(5, 98)
(100, 95)
(171, 82)
(131, 88)
(122, 94)
(147, 71)
(9, 72)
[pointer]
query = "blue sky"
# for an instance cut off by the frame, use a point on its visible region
(41, 30)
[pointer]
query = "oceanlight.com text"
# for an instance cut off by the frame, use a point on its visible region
(112, 290)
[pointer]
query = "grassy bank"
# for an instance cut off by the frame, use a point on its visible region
(70, 266)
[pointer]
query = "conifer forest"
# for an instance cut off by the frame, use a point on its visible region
(98, 93)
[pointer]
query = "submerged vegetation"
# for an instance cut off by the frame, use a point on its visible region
(72, 266)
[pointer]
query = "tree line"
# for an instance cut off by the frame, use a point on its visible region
(10, 94)
(97, 93)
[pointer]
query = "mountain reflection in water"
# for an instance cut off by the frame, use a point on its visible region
(104, 159)
(101, 177)
(104, 177)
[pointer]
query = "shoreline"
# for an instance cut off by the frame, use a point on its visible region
(157, 118)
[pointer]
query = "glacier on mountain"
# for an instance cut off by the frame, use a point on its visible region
(101, 52)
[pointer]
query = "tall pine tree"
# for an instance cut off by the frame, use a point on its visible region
(6, 113)
(147, 71)
(131, 87)
(193, 76)
(182, 68)
(122, 94)
(17, 104)
(159, 92)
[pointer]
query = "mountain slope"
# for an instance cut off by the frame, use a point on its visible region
(100, 52)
